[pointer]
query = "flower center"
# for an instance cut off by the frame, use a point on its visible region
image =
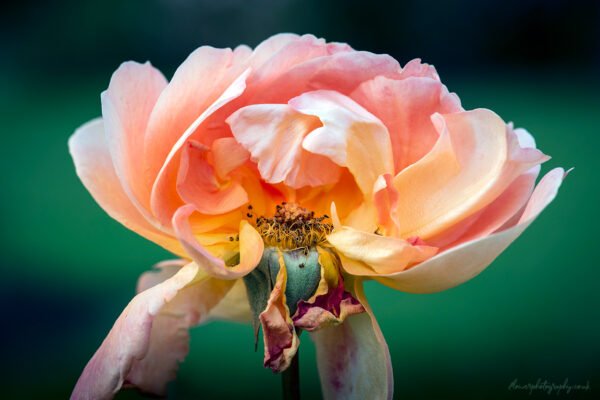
(292, 227)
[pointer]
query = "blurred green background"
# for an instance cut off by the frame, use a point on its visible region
(68, 269)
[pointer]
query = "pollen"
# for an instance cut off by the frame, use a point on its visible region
(293, 227)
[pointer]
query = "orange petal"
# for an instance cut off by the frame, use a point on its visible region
(251, 247)
(459, 264)
(227, 155)
(198, 185)
(94, 166)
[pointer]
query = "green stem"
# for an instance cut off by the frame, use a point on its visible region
(290, 380)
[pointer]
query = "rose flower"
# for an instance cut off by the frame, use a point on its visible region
(283, 177)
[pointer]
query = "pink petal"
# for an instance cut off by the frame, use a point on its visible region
(417, 69)
(165, 200)
(251, 247)
(350, 136)
(94, 166)
(461, 263)
(340, 71)
(353, 358)
(472, 163)
(273, 133)
(146, 343)
(198, 82)
(405, 107)
(198, 185)
(126, 106)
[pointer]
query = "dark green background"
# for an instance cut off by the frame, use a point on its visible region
(68, 269)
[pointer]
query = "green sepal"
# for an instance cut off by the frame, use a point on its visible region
(303, 277)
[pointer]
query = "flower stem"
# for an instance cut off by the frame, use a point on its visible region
(290, 380)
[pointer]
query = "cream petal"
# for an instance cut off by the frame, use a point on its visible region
(250, 243)
(350, 136)
(384, 254)
(234, 306)
(126, 107)
(459, 264)
(473, 162)
(146, 342)
(94, 166)
(353, 358)
(273, 133)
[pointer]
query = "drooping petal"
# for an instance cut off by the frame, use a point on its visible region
(251, 247)
(461, 263)
(126, 106)
(234, 306)
(353, 358)
(472, 163)
(198, 185)
(165, 200)
(150, 329)
(384, 254)
(94, 166)
(350, 136)
(281, 341)
(404, 106)
(169, 337)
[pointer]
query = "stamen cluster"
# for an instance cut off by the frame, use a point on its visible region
(292, 227)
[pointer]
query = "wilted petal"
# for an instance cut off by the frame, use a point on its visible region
(350, 136)
(353, 358)
(281, 341)
(459, 264)
(250, 247)
(150, 337)
(94, 166)
(472, 163)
